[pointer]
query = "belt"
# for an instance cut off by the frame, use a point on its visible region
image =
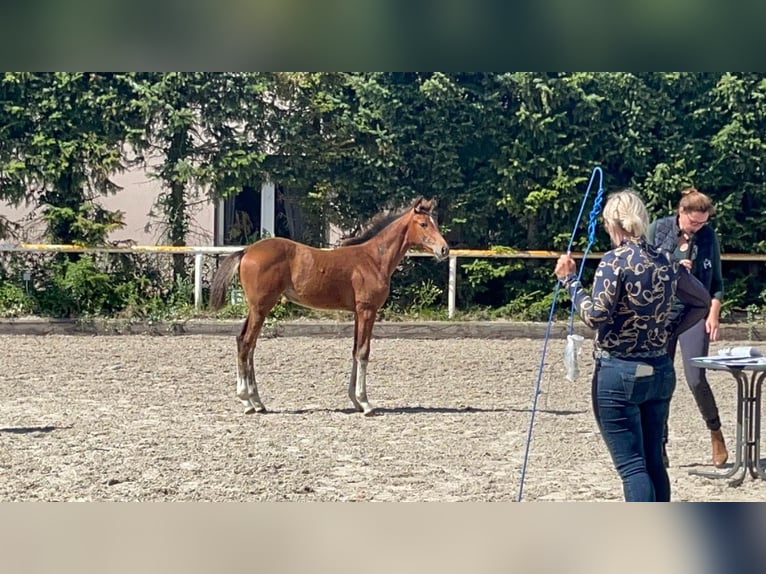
(601, 354)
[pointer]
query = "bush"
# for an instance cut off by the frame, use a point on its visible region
(140, 286)
(14, 300)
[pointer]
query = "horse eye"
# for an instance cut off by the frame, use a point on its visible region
(423, 224)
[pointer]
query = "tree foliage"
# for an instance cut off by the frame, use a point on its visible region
(62, 135)
(507, 155)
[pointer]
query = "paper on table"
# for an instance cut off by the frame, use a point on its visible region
(731, 360)
(740, 352)
(736, 356)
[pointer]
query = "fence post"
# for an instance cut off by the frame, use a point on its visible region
(451, 287)
(197, 280)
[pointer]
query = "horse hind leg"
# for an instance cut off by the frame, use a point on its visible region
(247, 388)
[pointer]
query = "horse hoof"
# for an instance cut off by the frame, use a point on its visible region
(252, 409)
(370, 412)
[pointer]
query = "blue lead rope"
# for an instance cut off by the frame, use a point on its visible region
(592, 223)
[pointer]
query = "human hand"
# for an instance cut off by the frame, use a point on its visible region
(712, 327)
(686, 263)
(565, 266)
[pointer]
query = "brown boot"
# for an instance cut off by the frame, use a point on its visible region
(720, 454)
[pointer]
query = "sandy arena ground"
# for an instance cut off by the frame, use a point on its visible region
(147, 418)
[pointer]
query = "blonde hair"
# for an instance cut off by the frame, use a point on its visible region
(694, 200)
(626, 211)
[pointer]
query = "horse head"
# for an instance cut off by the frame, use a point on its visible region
(423, 231)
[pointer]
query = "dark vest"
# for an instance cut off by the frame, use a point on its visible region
(700, 251)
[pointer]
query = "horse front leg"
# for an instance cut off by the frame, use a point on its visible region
(352, 387)
(352, 380)
(364, 323)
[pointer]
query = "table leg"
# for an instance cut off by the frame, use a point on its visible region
(742, 441)
(741, 446)
(756, 470)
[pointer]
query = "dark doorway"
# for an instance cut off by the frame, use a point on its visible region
(242, 217)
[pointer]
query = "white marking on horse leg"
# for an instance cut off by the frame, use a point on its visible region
(255, 402)
(252, 387)
(352, 386)
(247, 392)
(243, 392)
(361, 388)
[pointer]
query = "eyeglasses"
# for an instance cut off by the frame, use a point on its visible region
(695, 222)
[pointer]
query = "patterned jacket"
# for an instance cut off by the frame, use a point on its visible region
(630, 304)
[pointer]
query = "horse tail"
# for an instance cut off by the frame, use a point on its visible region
(222, 278)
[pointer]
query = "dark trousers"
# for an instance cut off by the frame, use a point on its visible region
(695, 342)
(631, 412)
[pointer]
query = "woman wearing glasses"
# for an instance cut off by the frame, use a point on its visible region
(689, 240)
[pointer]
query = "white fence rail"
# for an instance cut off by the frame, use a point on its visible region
(200, 251)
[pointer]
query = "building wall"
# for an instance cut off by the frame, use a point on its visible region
(135, 200)
(32, 231)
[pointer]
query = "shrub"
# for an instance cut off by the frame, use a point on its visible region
(14, 300)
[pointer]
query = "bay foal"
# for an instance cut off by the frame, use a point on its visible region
(354, 277)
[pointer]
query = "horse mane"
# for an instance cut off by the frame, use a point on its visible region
(379, 222)
(373, 227)
(376, 225)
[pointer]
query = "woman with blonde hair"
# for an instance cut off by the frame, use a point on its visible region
(629, 306)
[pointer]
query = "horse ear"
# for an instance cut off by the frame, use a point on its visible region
(423, 205)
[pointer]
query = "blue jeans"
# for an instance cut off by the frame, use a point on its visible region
(630, 408)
